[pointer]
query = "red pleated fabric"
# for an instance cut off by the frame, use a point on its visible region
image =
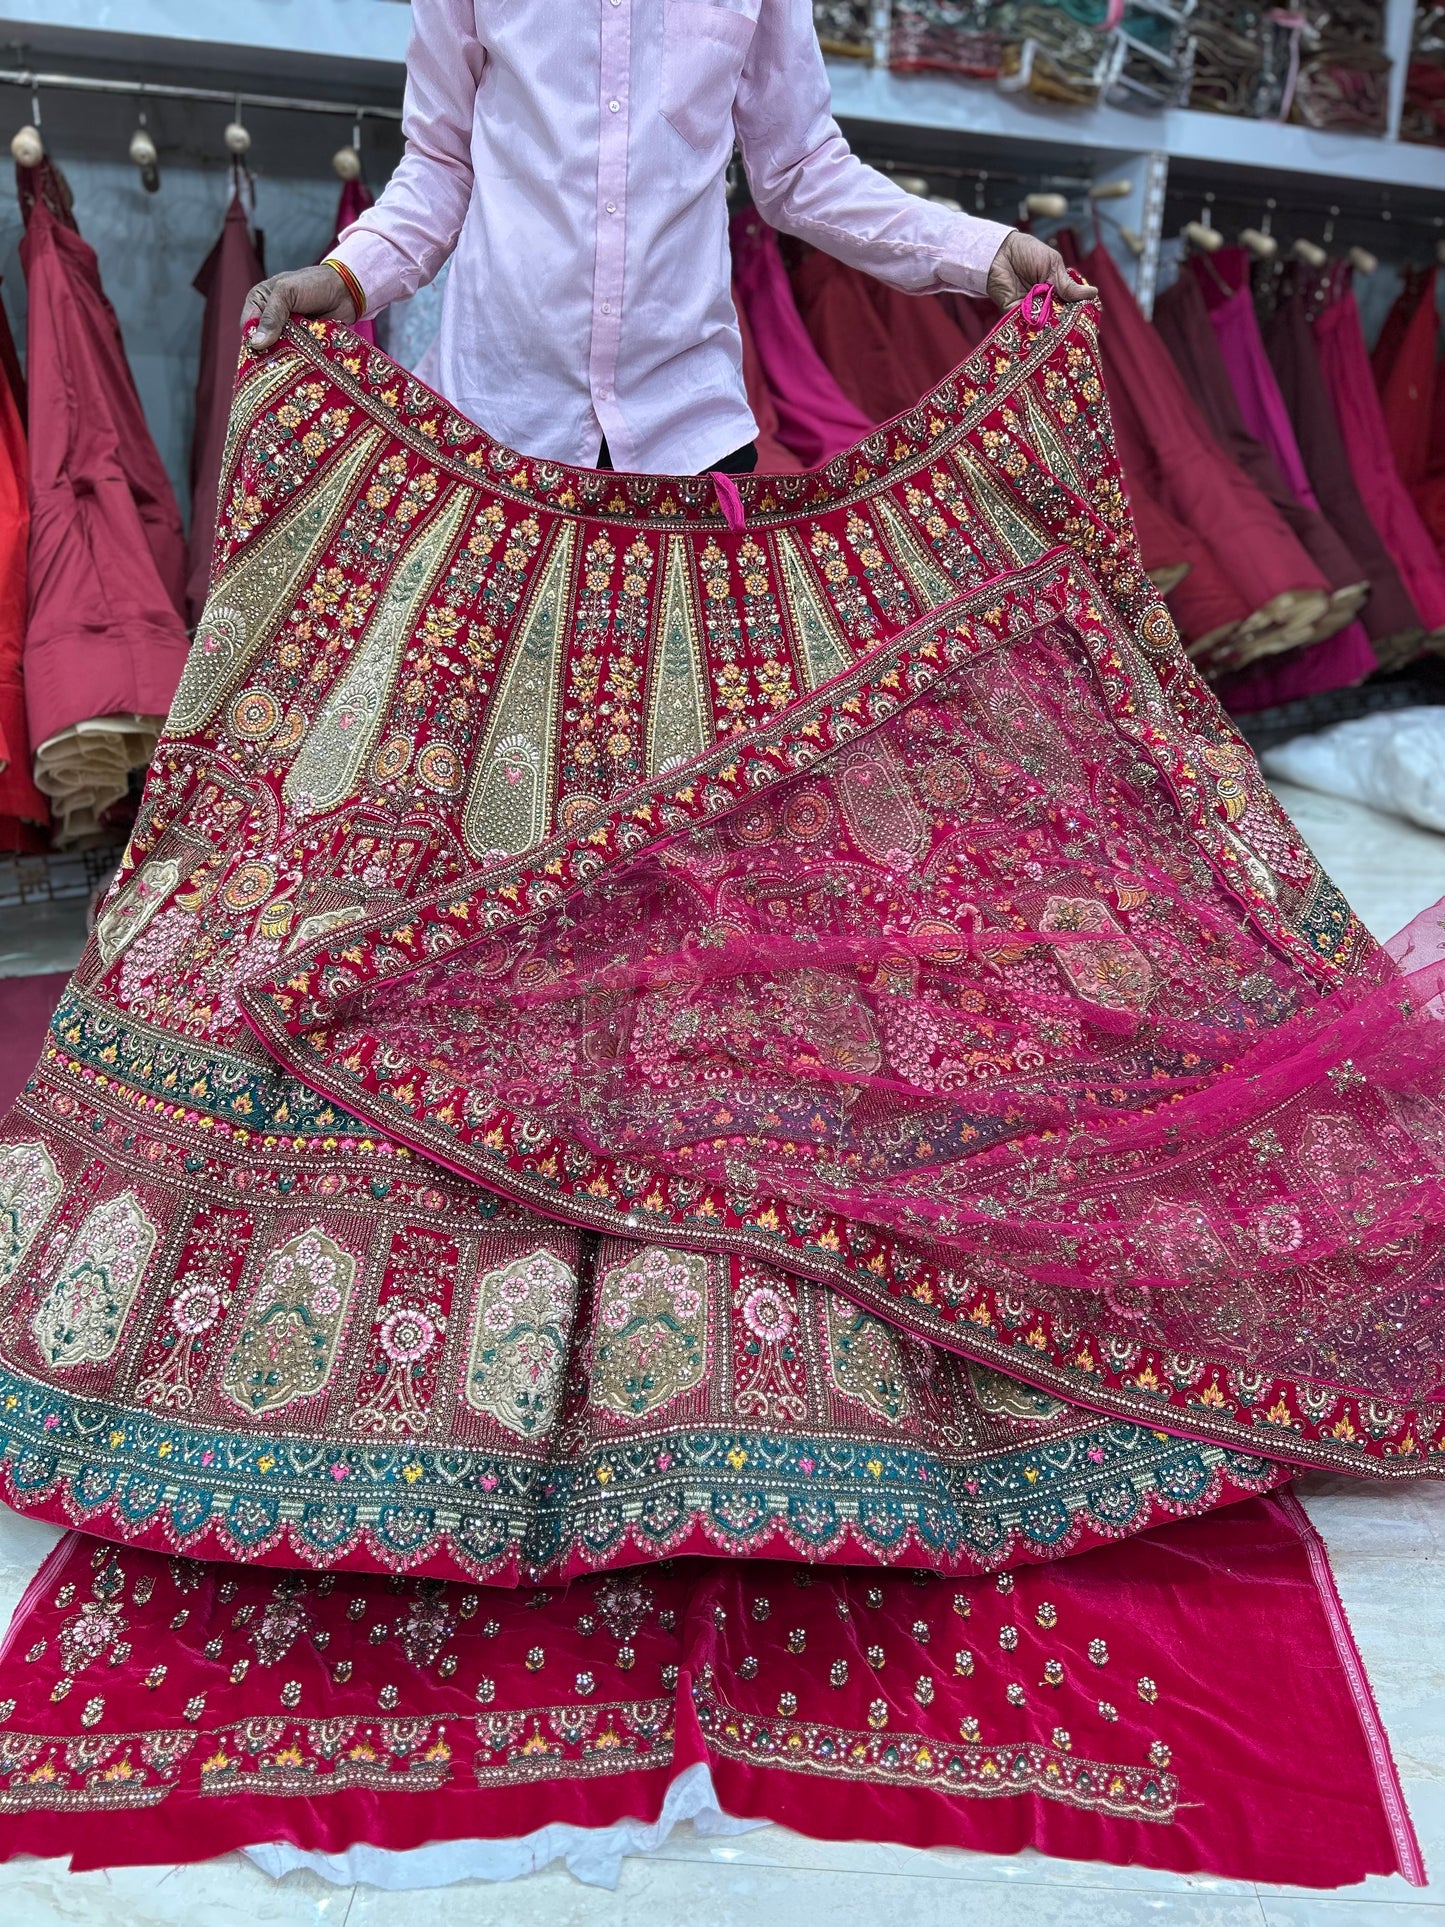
(356, 198)
(230, 270)
(1169, 452)
(1390, 615)
(1392, 334)
(774, 457)
(883, 348)
(1407, 392)
(107, 554)
(1345, 364)
(816, 420)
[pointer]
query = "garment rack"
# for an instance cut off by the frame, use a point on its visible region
(41, 83)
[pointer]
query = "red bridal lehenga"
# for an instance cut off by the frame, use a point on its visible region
(679, 1093)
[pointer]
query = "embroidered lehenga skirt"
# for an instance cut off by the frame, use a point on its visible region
(621, 1035)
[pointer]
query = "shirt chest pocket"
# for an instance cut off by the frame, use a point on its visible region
(704, 45)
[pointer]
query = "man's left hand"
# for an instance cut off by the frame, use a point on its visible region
(1022, 263)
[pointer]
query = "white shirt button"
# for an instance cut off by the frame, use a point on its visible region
(612, 207)
(614, 106)
(606, 307)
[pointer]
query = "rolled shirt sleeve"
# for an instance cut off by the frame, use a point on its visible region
(806, 180)
(400, 244)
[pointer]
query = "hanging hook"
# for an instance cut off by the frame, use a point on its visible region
(28, 144)
(144, 153)
(238, 135)
(1330, 225)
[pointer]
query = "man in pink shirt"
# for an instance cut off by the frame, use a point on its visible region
(572, 156)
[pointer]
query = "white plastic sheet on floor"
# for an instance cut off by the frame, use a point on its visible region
(592, 1854)
(1393, 762)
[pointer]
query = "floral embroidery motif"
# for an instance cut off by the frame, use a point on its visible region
(80, 1319)
(651, 1342)
(293, 1324)
(29, 1188)
(521, 1331)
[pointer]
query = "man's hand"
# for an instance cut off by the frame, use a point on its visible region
(317, 292)
(1022, 262)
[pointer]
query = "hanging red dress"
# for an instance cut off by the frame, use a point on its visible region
(356, 198)
(23, 814)
(1407, 391)
(774, 457)
(1390, 618)
(230, 270)
(1345, 364)
(816, 420)
(105, 643)
(1263, 580)
(1391, 336)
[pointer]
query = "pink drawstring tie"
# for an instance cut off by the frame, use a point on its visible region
(730, 501)
(1038, 305)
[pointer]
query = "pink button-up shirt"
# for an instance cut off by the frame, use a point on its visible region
(573, 153)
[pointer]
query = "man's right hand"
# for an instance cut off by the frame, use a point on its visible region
(319, 293)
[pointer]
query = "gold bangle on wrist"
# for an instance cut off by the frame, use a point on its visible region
(350, 283)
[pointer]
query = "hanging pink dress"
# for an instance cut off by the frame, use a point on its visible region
(1210, 328)
(816, 420)
(774, 457)
(1345, 364)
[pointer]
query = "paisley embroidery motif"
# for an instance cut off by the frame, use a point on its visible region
(1004, 1397)
(133, 909)
(30, 1185)
(80, 1319)
(864, 1360)
(1022, 542)
(651, 1325)
(1114, 972)
(510, 805)
(252, 599)
(678, 722)
(344, 734)
(823, 653)
(521, 1330)
(882, 816)
(293, 1324)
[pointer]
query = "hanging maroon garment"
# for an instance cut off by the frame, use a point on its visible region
(10, 364)
(230, 271)
(105, 638)
(23, 814)
(1345, 365)
(356, 198)
(1340, 657)
(971, 316)
(1389, 617)
(1264, 571)
(774, 458)
(928, 343)
(849, 333)
(1407, 393)
(816, 420)
(1182, 319)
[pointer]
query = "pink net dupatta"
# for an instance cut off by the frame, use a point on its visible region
(621, 1033)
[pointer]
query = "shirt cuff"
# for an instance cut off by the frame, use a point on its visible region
(966, 260)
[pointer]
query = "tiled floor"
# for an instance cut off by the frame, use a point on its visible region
(1388, 1550)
